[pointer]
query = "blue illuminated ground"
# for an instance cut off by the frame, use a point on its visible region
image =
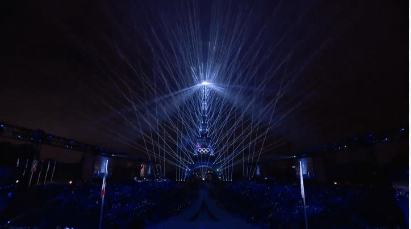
(203, 220)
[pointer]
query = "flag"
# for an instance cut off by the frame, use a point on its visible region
(34, 166)
(301, 181)
(103, 190)
(33, 169)
(303, 195)
(103, 187)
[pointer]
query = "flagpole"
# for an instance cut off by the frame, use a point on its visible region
(52, 174)
(303, 195)
(47, 171)
(41, 168)
(27, 161)
(31, 176)
(33, 169)
(103, 189)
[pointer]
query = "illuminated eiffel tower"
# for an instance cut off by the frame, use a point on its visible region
(203, 154)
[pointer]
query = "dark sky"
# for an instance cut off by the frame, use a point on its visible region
(52, 51)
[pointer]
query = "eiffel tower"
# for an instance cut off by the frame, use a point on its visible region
(203, 154)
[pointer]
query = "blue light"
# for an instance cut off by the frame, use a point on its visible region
(49, 136)
(1, 125)
(356, 138)
(386, 139)
(401, 128)
(370, 135)
(18, 136)
(205, 83)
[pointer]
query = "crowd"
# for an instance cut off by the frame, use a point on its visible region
(126, 205)
(135, 204)
(272, 205)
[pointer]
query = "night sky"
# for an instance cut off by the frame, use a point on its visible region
(52, 54)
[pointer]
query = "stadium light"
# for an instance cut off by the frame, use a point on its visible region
(205, 83)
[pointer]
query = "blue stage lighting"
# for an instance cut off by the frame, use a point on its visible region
(205, 83)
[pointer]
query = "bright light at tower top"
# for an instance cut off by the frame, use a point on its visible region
(205, 83)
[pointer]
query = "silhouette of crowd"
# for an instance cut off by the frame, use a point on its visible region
(126, 205)
(274, 205)
(133, 204)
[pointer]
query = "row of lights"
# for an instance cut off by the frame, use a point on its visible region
(336, 147)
